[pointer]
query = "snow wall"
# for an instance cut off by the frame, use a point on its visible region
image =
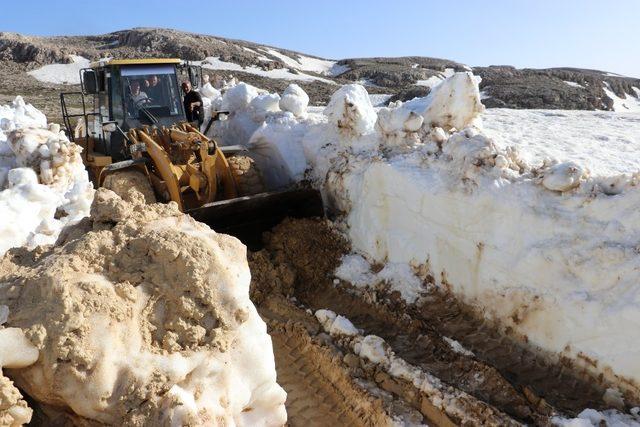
(545, 248)
(43, 183)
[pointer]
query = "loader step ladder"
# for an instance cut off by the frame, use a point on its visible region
(67, 116)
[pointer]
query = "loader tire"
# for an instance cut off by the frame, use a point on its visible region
(247, 175)
(130, 185)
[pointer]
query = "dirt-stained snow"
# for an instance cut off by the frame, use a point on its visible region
(141, 315)
(544, 247)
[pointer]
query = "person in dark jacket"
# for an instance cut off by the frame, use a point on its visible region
(153, 88)
(192, 104)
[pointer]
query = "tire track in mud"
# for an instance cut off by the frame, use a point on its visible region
(320, 389)
(310, 401)
(504, 373)
(427, 350)
(328, 384)
(561, 384)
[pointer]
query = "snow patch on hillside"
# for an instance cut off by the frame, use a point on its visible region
(574, 84)
(260, 56)
(65, 74)
(215, 63)
(307, 63)
(630, 103)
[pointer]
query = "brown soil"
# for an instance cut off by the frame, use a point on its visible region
(247, 175)
(320, 389)
(130, 185)
(504, 375)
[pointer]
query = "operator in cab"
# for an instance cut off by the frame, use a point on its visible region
(154, 89)
(192, 104)
(137, 96)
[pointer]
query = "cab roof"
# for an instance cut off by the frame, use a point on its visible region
(140, 61)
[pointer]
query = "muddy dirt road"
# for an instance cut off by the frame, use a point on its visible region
(470, 373)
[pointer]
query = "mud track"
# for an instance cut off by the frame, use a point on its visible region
(515, 382)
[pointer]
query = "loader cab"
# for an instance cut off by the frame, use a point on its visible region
(122, 94)
(148, 94)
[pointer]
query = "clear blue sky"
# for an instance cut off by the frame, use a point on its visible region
(597, 34)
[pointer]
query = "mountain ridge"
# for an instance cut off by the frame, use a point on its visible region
(273, 68)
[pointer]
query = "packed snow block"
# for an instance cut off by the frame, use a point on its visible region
(244, 117)
(453, 104)
(399, 126)
(19, 114)
(350, 110)
(208, 91)
(43, 183)
(394, 120)
(295, 100)
(238, 97)
(264, 104)
(16, 351)
(563, 176)
(211, 101)
(236, 129)
(277, 149)
(560, 269)
(141, 315)
(335, 324)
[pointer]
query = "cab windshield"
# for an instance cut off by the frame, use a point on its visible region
(153, 88)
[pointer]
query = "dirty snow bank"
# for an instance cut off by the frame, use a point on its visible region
(271, 126)
(141, 315)
(545, 247)
(43, 183)
(15, 352)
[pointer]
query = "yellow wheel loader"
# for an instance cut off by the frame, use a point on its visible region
(132, 126)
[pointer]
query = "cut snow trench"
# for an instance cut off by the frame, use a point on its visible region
(419, 196)
(541, 246)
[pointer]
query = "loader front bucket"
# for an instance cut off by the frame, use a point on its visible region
(248, 217)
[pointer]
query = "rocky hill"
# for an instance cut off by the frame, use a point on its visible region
(274, 68)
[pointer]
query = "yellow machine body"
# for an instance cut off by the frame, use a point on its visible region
(181, 164)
